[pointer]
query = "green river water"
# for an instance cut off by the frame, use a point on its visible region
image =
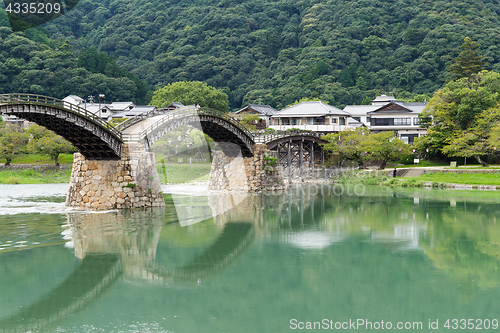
(314, 258)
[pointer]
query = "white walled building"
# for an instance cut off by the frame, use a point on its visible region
(388, 114)
(315, 116)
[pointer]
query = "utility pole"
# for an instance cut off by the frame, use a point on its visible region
(100, 96)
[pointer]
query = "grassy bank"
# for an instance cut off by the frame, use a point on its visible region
(183, 173)
(463, 178)
(435, 179)
(28, 176)
(40, 159)
(173, 173)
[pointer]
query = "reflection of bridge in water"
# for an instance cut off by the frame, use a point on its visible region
(94, 274)
(113, 246)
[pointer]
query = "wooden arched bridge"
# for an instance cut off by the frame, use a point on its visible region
(96, 139)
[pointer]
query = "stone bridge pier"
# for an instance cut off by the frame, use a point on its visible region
(131, 182)
(261, 172)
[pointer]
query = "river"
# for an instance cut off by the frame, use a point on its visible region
(333, 258)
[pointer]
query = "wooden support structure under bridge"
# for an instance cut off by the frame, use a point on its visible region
(300, 157)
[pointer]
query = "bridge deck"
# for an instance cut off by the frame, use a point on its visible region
(131, 134)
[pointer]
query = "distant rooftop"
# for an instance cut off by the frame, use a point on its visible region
(311, 109)
(134, 111)
(383, 99)
(76, 98)
(262, 109)
(118, 106)
(360, 110)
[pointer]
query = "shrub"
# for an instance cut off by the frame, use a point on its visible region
(12, 180)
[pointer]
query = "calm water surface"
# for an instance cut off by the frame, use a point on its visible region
(258, 263)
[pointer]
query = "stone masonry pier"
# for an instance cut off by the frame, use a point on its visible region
(261, 172)
(131, 182)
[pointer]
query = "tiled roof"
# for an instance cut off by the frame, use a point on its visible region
(360, 110)
(311, 109)
(262, 109)
(135, 111)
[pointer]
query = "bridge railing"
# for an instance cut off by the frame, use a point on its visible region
(183, 112)
(32, 99)
(264, 137)
(141, 116)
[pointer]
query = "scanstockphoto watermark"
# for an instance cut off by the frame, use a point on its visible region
(323, 189)
(356, 324)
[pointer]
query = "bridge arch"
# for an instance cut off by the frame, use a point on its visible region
(94, 137)
(99, 271)
(296, 148)
(227, 131)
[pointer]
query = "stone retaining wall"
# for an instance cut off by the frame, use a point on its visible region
(131, 182)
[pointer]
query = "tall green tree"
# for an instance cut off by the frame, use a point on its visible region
(47, 142)
(476, 140)
(385, 147)
(469, 61)
(347, 145)
(12, 142)
(191, 92)
(455, 115)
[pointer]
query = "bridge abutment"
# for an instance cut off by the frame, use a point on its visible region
(261, 172)
(131, 182)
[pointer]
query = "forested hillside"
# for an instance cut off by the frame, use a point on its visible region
(276, 52)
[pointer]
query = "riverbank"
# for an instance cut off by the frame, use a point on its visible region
(35, 174)
(456, 178)
(453, 178)
(49, 173)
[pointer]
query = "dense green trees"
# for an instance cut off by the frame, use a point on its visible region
(35, 139)
(274, 52)
(44, 141)
(281, 51)
(462, 116)
(347, 145)
(360, 145)
(191, 93)
(12, 142)
(55, 70)
(469, 62)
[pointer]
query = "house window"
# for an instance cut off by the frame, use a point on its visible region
(335, 120)
(316, 121)
(391, 121)
(290, 121)
(382, 121)
(402, 121)
(416, 121)
(342, 121)
(357, 118)
(409, 138)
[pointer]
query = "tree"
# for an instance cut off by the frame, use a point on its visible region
(385, 147)
(347, 145)
(47, 142)
(191, 92)
(456, 116)
(248, 120)
(475, 141)
(469, 61)
(12, 142)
